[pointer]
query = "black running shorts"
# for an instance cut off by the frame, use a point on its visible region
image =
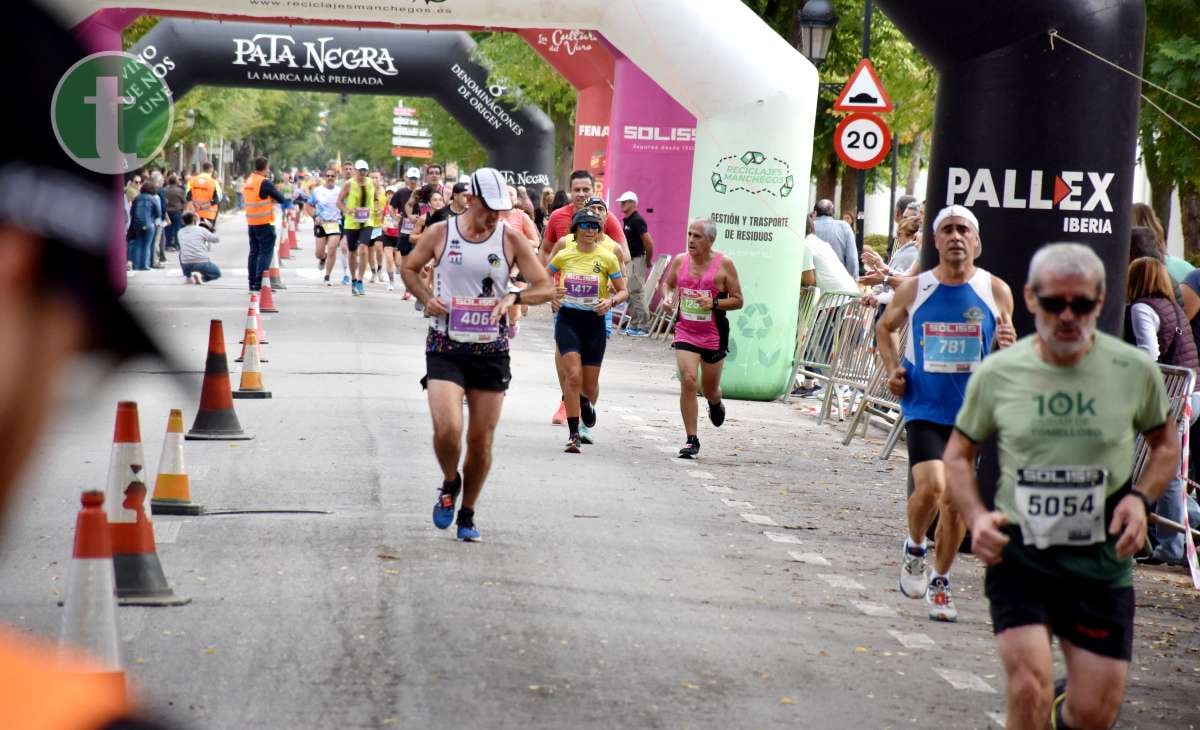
(926, 441)
(1092, 616)
(405, 245)
(390, 241)
(356, 237)
(709, 356)
(577, 330)
(469, 372)
(319, 230)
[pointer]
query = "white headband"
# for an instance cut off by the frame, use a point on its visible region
(955, 211)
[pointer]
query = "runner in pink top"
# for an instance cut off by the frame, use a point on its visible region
(706, 282)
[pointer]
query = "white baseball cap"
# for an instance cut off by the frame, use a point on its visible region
(489, 185)
(628, 195)
(361, 165)
(413, 174)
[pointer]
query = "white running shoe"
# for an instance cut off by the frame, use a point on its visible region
(914, 581)
(391, 286)
(941, 605)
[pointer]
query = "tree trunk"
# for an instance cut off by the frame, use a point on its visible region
(827, 178)
(1189, 207)
(914, 162)
(564, 142)
(849, 199)
(1161, 183)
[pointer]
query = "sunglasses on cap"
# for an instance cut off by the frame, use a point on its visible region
(1055, 305)
(589, 226)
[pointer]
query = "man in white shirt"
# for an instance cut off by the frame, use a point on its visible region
(822, 268)
(194, 243)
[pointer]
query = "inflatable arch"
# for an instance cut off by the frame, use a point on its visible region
(1044, 149)
(186, 53)
(753, 133)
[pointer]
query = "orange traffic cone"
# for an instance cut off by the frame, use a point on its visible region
(251, 385)
(216, 420)
(90, 619)
(273, 273)
(291, 234)
(266, 299)
(560, 416)
(140, 579)
(252, 321)
(258, 328)
(172, 488)
(284, 247)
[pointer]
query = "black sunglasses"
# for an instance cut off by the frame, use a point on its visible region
(589, 226)
(1055, 305)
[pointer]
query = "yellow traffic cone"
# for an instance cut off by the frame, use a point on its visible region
(172, 488)
(251, 385)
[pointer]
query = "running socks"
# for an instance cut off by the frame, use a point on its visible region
(392, 277)
(467, 532)
(691, 449)
(916, 549)
(573, 425)
(587, 411)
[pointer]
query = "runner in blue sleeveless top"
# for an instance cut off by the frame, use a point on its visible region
(954, 314)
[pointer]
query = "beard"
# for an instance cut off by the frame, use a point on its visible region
(1064, 348)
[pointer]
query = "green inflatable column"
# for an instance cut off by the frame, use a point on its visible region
(753, 183)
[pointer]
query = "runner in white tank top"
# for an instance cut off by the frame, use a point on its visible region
(466, 351)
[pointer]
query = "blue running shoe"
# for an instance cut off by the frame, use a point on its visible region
(467, 532)
(585, 435)
(345, 280)
(443, 510)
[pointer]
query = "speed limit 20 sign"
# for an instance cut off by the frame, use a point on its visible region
(862, 141)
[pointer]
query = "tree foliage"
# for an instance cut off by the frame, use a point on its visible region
(1170, 154)
(529, 79)
(908, 78)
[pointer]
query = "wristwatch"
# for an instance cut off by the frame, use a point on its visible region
(1149, 505)
(516, 297)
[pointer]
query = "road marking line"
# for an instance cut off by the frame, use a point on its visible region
(841, 581)
(621, 409)
(715, 489)
(647, 429)
(878, 610)
(631, 418)
(666, 449)
(961, 680)
(913, 641)
(701, 475)
(809, 558)
(652, 437)
(737, 503)
(759, 520)
(166, 533)
(1000, 718)
(781, 537)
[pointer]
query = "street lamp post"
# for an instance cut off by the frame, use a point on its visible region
(816, 22)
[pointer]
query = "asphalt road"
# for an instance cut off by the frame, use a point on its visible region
(752, 588)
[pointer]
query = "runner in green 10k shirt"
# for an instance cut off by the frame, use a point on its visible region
(1067, 405)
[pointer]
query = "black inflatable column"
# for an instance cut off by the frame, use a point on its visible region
(1038, 142)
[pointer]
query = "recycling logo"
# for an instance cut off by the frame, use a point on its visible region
(755, 173)
(755, 322)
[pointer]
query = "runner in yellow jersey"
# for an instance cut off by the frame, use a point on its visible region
(590, 285)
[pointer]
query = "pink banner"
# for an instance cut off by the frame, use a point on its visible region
(650, 151)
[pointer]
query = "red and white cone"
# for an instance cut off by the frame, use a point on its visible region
(90, 619)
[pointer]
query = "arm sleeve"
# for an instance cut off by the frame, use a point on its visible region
(614, 229)
(977, 417)
(209, 235)
(267, 189)
(1145, 328)
(850, 252)
(1155, 405)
